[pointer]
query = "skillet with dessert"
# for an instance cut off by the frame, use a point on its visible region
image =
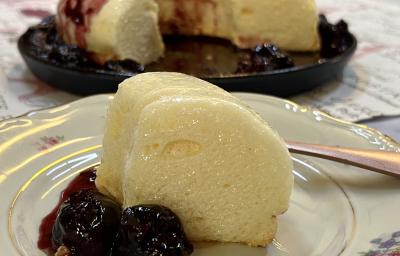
(274, 47)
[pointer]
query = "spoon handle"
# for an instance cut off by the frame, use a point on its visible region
(375, 160)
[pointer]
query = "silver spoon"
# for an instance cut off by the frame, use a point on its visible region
(375, 160)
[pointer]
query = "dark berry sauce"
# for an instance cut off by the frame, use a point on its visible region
(85, 180)
(78, 14)
(73, 10)
(86, 222)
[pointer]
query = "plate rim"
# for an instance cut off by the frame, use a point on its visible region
(305, 109)
(309, 109)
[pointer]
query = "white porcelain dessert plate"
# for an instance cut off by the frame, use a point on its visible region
(335, 209)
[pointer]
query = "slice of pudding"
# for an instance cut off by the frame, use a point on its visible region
(178, 141)
(290, 24)
(112, 29)
(127, 105)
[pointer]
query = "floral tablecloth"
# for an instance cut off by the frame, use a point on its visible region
(369, 88)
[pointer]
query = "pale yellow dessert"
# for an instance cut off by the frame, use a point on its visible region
(132, 95)
(181, 142)
(131, 29)
(113, 29)
(290, 24)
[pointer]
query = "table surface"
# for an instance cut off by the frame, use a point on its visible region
(388, 126)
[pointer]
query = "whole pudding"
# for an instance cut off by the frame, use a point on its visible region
(132, 29)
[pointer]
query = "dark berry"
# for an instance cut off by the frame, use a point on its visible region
(70, 55)
(85, 180)
(151, 230)
(267, 50)
(124, 66)
(266, 57)
(335, 38)
(87, 223)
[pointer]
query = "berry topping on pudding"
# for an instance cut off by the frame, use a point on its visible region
(74, 19)
(86, 224)
(151, 230)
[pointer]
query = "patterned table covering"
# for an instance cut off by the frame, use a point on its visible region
(370, 86)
